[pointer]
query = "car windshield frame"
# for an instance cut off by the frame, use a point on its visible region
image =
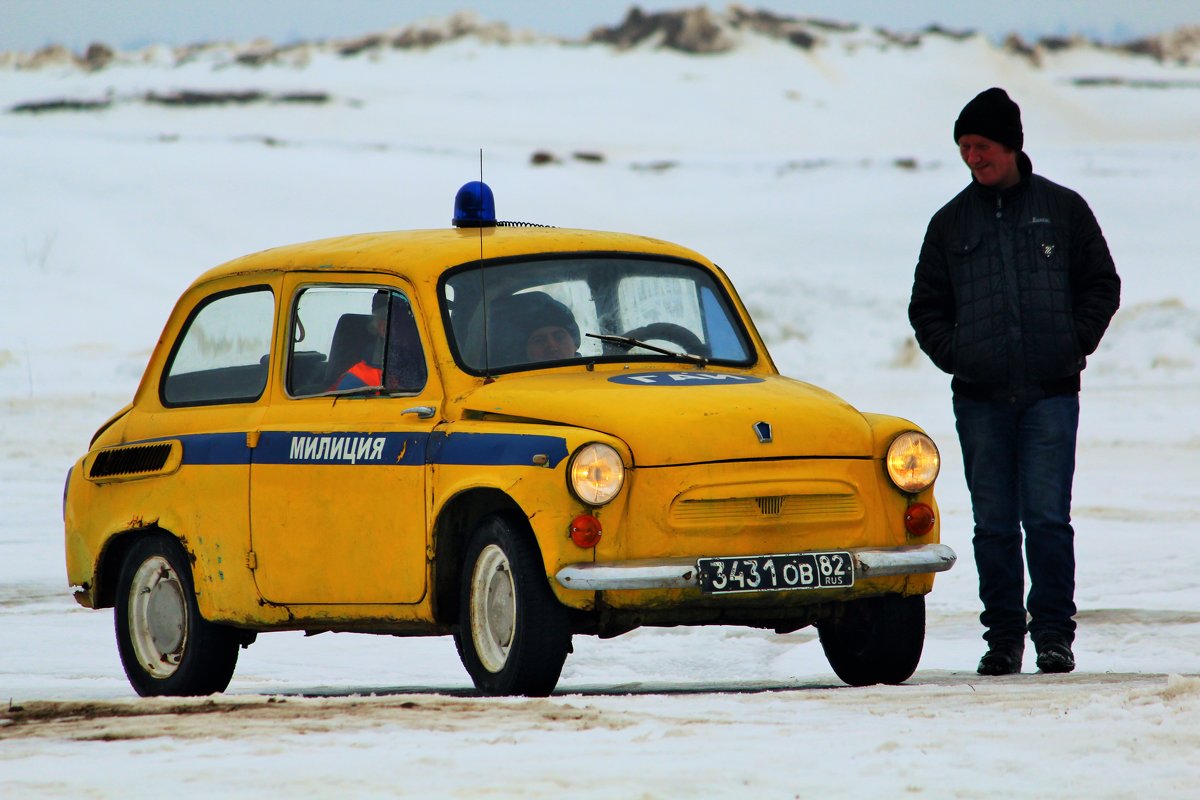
(684, 313)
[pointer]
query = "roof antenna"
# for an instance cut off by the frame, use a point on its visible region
(483, 186)
(475, 207)
(487, 361)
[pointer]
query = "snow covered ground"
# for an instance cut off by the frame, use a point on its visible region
(809, 176)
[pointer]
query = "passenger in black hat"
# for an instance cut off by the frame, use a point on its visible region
(1014, 288)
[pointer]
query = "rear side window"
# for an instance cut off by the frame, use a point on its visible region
(222, 354)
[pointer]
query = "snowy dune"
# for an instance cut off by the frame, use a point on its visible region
(809, 175)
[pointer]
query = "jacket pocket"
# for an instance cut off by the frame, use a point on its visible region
(964, 246)
(969, 264)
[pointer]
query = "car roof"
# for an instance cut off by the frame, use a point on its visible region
(423, 255)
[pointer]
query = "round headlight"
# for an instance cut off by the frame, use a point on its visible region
(913, 461)
(596, 473)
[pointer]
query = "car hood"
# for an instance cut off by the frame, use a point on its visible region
(686, 417)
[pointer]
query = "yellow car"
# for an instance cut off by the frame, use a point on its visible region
(507, 433)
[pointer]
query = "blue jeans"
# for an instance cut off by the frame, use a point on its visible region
(1020, 462)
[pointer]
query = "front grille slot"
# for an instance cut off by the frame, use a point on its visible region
(135, 460)
(769, 506)
(801, 508)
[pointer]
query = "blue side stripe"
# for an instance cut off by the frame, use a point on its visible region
(345, 448)
(215, 448)
(372, 449)
(495, 449)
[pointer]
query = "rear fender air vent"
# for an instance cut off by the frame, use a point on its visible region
(134, 461)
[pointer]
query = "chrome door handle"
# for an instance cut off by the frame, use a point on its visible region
(422, 412)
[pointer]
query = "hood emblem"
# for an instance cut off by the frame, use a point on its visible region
(763, 429)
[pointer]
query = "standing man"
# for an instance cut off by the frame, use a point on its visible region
(1013, 289)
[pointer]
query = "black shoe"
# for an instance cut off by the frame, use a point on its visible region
(1001, 659)
(1055, 656)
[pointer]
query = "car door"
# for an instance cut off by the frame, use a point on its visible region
(338, 475)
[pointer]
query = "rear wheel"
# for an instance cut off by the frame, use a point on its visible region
(166, 647)
(513, 634)
(877, 640)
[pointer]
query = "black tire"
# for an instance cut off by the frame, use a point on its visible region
(513, 634)
(166, 647)
(670, 332)
(878, 640)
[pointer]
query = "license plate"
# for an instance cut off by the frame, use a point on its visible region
(776, 573)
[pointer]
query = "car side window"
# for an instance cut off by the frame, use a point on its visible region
(360, 339)
(221, 355)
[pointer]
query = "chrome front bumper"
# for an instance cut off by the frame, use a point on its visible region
(681, 573)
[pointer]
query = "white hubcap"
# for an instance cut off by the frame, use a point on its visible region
(493, 608)
(157, 617)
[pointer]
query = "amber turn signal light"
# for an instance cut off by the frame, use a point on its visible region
(918, 519)
(585, 531)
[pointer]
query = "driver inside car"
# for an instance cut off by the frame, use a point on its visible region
(550, 342)
(530, 327)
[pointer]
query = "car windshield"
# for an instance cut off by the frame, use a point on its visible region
(528, 314)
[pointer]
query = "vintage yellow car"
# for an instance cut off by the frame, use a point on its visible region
(508, 433)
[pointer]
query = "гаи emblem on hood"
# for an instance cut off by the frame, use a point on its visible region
(763, 429)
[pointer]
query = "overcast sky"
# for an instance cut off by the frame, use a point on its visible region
(31, 24)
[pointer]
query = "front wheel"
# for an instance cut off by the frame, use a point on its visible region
(513, 634)
(877, 640)
(166, 647)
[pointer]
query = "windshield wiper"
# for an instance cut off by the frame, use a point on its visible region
(629, 343)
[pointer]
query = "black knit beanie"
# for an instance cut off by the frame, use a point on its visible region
(993, 115)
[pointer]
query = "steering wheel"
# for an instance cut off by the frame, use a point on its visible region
(670, 332)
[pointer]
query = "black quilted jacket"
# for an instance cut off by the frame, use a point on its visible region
(1013, 289)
